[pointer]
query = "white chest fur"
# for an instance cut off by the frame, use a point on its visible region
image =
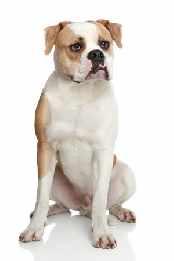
(82, 118)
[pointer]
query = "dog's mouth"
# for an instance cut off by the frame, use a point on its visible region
(99, 72)
(96, 71)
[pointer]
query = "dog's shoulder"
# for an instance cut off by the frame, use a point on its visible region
(51, 84)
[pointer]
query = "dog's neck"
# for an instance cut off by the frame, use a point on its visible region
(78, 93)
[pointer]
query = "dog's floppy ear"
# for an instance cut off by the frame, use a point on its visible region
(51, 33)
(114, 29)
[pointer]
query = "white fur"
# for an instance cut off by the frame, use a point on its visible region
(84, 120)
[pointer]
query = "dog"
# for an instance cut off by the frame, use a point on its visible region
(76, 124)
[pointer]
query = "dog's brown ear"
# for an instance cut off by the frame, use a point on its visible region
(51, 33)
(114, 29)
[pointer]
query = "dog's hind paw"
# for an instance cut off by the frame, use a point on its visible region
(123, 214)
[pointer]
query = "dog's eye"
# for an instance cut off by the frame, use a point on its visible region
(104, 44)
(75, 47)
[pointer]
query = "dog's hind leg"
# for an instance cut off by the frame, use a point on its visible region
(122, 187)
(65, 194)
(57, 209)
(85, 208)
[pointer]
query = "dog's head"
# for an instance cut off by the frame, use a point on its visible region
(83, 51)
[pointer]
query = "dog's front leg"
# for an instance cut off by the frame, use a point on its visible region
(103, 161)
(46, 167)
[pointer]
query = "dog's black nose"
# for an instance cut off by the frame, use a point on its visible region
(96, 56)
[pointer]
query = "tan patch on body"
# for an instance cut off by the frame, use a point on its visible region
(44, 151)
(44, 156)
(41, 118)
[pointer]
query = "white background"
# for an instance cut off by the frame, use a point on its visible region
(144, 86)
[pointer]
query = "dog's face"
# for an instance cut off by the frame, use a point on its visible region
(83, 51)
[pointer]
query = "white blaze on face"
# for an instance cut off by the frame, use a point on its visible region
(90, 33)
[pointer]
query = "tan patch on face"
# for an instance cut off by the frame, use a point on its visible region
(105, 35)
(103, 32)
(114, 29)
(67, 59)
(51, 33)
(50, 37)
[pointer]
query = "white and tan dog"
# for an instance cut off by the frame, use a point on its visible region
(76, 126)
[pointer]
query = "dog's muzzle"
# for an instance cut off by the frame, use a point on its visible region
(98, 70)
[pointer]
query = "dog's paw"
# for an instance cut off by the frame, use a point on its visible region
(29, 235)
(125, 215)
(104, 241)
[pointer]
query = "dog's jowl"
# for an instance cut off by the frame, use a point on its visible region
(76, 127)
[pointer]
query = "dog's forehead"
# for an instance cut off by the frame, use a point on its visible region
(87, 30)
